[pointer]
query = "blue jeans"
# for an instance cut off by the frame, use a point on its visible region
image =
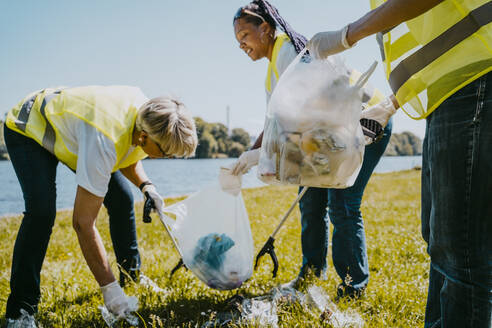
(35, 168)
(349, 243)
(457, 208)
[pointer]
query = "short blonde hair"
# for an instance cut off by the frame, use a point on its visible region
(169, 123)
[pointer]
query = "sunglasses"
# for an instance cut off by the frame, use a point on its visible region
(163, 153)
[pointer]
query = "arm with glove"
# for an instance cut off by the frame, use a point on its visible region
(85, 212)
(246, 161)
(389, 14)
(152, 200)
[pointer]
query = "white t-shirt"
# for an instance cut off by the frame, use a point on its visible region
(96, 154)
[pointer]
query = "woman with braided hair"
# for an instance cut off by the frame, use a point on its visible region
(263, 33)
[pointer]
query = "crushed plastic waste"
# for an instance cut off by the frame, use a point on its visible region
(111, 319)
(317, 298)
(210, 250)
(262, 310)
(150, 284)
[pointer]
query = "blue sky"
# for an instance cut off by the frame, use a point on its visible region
(182, 48)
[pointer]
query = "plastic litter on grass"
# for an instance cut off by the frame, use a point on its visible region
(262, 310)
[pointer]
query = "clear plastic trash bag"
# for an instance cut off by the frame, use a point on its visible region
(213, 236)
(312, 134)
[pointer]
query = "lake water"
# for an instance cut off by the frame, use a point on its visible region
(171, 177)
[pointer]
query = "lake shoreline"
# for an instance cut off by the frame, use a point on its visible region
(172, 197)
(172, 178)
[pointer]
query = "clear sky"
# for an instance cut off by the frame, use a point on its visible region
(184, 48)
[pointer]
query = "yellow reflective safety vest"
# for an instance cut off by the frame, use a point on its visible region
(272, 66)
(110, 109)
(370, 96)
(430, 57)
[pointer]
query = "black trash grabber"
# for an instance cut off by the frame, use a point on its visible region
(372, 129)
(177, 267)
(148, 207)
(268, 247)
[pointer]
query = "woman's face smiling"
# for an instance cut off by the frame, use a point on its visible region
(253, 39)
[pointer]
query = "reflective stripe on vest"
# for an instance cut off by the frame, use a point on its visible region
(111, 110)
(48, 141)
(49, 136)
(21, 120)
(432, 56)
(272, 66)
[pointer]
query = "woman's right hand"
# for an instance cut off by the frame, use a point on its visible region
(246, 161)
(117, 302)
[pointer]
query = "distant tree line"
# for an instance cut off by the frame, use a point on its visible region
(404, 144)
(214, 141)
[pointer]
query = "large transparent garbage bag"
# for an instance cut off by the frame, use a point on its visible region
(212, 233)
(312, 135)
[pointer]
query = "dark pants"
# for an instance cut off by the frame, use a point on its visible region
(349, 242)
(457, 208)
(35, 168)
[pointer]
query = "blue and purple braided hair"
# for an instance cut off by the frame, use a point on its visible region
(270, 15)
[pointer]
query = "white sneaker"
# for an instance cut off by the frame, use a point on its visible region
(293, 284)
(24, 321)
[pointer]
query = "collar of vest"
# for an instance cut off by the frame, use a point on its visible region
(280, 38)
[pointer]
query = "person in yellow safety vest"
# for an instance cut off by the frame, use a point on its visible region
(101, 133)
(438, 61)
(263, 33)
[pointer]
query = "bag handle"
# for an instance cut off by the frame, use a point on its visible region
(359, 84)
(365, 76)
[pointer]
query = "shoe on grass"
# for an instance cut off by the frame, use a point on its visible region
(24, 321)
(129, 276)
(348, 291)
(293, 284)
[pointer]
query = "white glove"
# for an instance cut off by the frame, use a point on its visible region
(380, 112)
(154, 195)
(117, 302)
(247, 160)
(324, 44)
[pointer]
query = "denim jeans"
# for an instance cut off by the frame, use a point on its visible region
(35, 168)
(457, 208)
(349, 243)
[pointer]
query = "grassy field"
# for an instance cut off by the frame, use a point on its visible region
(398, 263)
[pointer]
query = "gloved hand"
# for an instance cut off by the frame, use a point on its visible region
(375, 118)
(380, 112)
(153, 202)
(117, 302)
(324, 44)
(247, 160)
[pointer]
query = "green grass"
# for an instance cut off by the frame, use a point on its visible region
(398, 263)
